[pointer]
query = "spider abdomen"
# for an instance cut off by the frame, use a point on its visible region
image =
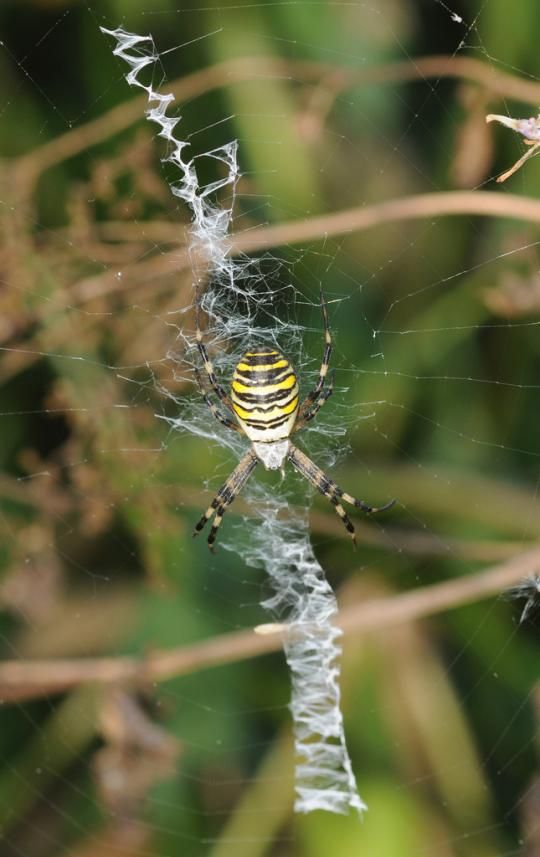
(264, 395)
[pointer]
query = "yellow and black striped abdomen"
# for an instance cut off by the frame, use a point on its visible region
(264, 394)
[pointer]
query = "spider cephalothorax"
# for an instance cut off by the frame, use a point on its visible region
(265, 401)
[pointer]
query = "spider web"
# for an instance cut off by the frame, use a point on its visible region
(410, 343)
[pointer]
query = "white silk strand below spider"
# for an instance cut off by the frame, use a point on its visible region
(303, 598)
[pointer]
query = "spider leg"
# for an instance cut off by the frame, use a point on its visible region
(207, 363)
(226, 495)
(314, 410)
(312, 397)
(330, 489)
(215, 411)
(220, 511)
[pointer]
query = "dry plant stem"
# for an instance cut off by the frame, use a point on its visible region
(416, 207)
(246, 68)
(473, 203)
(20, 680)
(418, 542)
(532, 151)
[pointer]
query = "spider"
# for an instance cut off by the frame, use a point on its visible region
(264, 399)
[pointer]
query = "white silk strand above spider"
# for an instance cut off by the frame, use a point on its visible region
(303, 599)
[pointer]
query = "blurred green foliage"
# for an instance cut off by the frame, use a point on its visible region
(436, 345)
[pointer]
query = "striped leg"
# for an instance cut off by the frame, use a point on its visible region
(215, 411)
(220, 511)
(330, 489)
(208, 366)
(324, 396)
(312, 397)
(226, 495)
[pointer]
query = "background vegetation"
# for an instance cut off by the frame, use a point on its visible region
(173, 735)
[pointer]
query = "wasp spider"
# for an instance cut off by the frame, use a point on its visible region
(264, 399)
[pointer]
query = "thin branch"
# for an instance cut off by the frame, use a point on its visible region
(416, 207)
(74, 142)
(20, 680)
(417, 542)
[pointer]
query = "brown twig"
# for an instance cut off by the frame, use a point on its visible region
(415, 207)
(500, 83)
(20, 680)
